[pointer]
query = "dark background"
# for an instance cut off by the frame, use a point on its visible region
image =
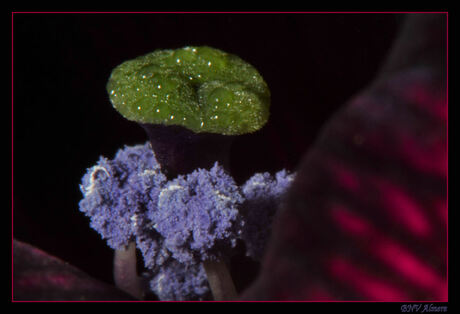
(63, 120)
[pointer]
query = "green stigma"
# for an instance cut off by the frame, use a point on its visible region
(200, 88)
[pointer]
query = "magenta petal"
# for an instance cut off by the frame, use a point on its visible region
(38, 276)
(366, 215)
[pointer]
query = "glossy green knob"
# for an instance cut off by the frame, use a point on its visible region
(200, 88)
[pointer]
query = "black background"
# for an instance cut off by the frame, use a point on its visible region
(63, 121)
